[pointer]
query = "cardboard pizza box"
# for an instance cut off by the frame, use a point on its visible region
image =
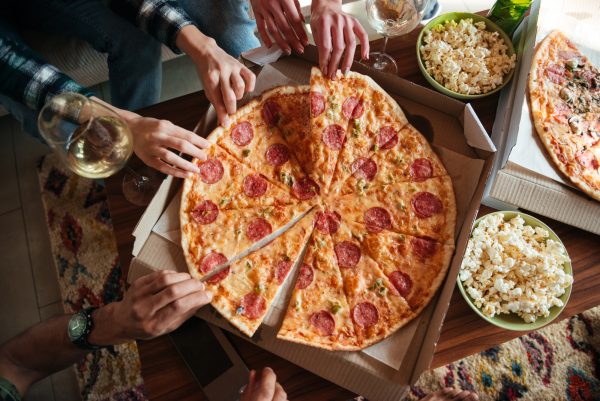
(524, 176)
(383, 371)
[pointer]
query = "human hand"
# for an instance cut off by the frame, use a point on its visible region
(153, 138)
(334, 32)
(154, 305)
(281, 20)
(263, 387)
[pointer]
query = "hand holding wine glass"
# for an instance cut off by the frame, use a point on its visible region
(392, 18)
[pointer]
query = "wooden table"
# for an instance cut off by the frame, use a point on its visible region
(463, 333)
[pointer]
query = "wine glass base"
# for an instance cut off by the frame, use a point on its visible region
(382, 62)
(140, 185)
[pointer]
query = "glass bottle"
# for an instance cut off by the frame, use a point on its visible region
(508, 14)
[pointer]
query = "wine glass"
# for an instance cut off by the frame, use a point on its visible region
(93, 141)
(392, 18)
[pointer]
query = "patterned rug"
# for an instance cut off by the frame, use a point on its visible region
(85, 255)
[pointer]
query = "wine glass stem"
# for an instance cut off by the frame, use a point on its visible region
(385, 40)
(140, 179)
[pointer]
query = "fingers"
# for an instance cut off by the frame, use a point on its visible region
(179, 292)
(249, 79)
(265, 386)
(291, 25)
(238, 85)
(261, 25)
(324, 43)
(272, 27)
(337, 39)
(183, 308)
(363, 38)
(178, 162)
(156, 282)
(303, 36)
(350, 48)
(190, 136)
(182, 145)
(280, 394)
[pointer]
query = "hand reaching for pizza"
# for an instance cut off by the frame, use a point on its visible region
(334, 33)
(153, 139)
(154, 305)
(263, 386)
(282, 21)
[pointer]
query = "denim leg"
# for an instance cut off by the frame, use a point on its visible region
(226, 21)
(24, 115)
(134, 57)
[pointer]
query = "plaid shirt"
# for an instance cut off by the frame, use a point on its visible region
(27, 78)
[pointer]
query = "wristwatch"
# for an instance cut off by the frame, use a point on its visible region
(79, 328)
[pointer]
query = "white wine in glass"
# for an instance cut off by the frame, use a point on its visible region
(91, 139)
(392, 18)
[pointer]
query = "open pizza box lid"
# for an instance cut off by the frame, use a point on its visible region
(382, 371)
(524, 175)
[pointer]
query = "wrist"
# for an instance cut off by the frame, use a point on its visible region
(320, 4)
(107, 329)
(194, 43)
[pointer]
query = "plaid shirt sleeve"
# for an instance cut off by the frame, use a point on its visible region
(27, 78)
(163, 19)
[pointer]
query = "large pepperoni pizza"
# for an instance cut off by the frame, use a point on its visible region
(334, 172)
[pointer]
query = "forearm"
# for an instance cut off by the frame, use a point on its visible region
(46, 348)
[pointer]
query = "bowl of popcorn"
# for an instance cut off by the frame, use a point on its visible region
(516, 272)
(465, 55)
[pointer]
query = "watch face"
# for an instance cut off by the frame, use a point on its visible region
(77, 326)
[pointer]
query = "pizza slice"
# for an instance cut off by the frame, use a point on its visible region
(210, 239)
(374, 123)
(416, 266)
(564, 93)
(376, 308)
(318, 314)
(424, 209)
(224, 183)
(407, 157)
(254, 140)
(244, 293)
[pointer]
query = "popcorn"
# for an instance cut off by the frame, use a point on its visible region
(513, 268)
(466, 58)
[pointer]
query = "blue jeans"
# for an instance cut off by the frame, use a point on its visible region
(134, 57)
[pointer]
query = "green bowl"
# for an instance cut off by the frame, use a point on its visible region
(490, 26)
(511, 321)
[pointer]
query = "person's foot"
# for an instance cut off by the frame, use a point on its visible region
(451, 394)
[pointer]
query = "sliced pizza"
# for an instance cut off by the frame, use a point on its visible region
(416, 266)
(407, 157)
(376, 308)
(246, 290)
(425, 209)
(210, 239)
(224, 183)
(318, 313)
(564, 93)
(253, 139)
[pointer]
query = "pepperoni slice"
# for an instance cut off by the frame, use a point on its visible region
(365, 314)
(305, 188)
(352, 108)
(401, 282)
(209, 262)
(556, 73)
(421, 169)
(317, 103)
(277, 154)
(347, 254)
(305, 276)
(364, 168)
(282, 268)
(253, 305)
(242, 134)
(271, 112)
(334, 137)
(211, 171)
(205, 213)
(254, 185)
(258, 229)
(324, 322)
(423, 247)
(426, 204)
(377, 219)
(328, 222)
(387, 137)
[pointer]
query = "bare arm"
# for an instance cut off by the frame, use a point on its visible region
(154, 305)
